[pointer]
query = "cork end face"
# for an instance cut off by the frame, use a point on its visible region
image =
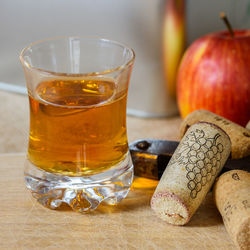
(170, 208)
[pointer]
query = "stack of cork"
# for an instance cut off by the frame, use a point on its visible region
(231, 194)
(208, 141)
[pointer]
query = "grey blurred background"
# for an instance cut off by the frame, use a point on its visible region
(136, 23)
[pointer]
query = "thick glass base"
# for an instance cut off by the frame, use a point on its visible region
(80, 193)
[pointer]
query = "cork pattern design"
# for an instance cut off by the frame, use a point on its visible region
(201, 157)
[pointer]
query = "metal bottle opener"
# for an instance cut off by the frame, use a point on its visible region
(150, 158)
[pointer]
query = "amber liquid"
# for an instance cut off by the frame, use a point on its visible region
(77, 127)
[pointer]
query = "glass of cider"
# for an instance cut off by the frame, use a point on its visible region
(78, 150)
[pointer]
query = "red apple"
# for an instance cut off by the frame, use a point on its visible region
(214, 74)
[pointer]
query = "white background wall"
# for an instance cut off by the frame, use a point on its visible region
(136, 23)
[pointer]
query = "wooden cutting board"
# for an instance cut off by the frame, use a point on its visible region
(25, 224)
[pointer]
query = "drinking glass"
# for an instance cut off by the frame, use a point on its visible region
(78, 151)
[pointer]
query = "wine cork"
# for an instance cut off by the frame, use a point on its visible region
(248, 126)
(191, 172)
(240, 136)
(231, 194)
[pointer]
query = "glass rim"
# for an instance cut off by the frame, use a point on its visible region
(96, 38)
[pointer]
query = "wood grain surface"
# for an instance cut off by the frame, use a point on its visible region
(25, 224)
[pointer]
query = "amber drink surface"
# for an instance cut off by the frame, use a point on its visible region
(77, 127)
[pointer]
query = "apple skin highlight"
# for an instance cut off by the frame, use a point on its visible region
(214, 74)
